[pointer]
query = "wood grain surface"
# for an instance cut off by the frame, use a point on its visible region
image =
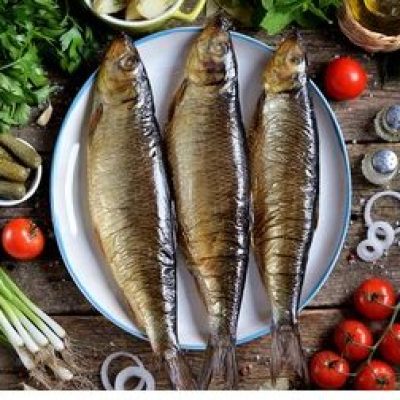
(47, 282)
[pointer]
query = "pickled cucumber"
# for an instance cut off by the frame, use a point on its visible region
(26, 154)
(5, 155)
(12, 190)
(13, 171)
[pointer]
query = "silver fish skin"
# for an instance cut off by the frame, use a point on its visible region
(284, 159)
(206, 149)
(130, 203)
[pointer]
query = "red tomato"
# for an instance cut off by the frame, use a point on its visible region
(375, 298)
(353, 339)
(390, 345)
(376, 375)
(22, 239)
(345, 79)
(328, 370)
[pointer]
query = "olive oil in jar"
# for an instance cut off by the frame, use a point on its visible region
(378, 15)
(384, 8)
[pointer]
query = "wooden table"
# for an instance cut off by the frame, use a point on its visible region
(48, 283)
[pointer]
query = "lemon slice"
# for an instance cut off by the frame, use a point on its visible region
(108, 6)
(153, 9)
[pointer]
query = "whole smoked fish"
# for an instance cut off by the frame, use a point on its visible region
(206, 151)
(284, 159)
(129, 201)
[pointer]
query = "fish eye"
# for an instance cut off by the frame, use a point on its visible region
(127, 63)
(296, 60)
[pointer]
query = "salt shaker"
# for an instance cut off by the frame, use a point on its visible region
(387, 123)
(380, 167)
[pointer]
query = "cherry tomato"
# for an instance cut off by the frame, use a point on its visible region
(353, 340)
(328, 370)
(22, 239)
(376, 375)
(345, 79)
(375, 298)
(390, 345)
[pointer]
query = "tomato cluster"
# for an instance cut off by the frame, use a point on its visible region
(375, 299)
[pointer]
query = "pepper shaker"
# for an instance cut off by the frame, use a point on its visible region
(387, 123)
(380, 167)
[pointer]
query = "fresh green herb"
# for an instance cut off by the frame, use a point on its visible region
(36, 338)
(32, 32)
(276, 15)
(306, 13)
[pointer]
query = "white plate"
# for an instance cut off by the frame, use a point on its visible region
(164, 54)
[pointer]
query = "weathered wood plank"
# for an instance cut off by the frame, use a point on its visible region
(95, 338)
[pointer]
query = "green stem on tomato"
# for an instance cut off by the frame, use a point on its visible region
(388, 328)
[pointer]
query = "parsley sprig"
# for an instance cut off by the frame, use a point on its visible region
(32, 33)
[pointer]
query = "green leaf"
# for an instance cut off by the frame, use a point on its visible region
(324, 4)
(318, 12)
(267, 4)
(21, 114)
(275, 21)
(33, 32)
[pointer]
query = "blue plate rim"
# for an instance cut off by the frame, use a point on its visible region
(56, 225)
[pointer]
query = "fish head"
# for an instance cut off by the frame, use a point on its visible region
(211, 59)
(120, 71)
(286, 70)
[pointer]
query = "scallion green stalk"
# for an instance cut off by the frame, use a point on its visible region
(10, 332)
(35, 336)
(12, 287)
(9, 311)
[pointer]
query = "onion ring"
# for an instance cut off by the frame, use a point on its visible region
(382, 228)
(376, 196)
(105, 379)
(364, 252)
(136, 372)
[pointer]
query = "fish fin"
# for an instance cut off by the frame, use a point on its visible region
(179, 372)
(286, 349)
(220, 357)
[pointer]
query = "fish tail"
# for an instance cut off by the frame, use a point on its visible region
(179, 372)
(286, 349)
(220, 357)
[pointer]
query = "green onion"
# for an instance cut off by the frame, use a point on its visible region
(12, 336)
(36, 338)
(27, 304)
(28, 341)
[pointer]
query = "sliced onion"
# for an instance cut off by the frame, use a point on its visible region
(384, 229)
(368, 207)
(105, 379)
(135, 372)
(370, 250)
